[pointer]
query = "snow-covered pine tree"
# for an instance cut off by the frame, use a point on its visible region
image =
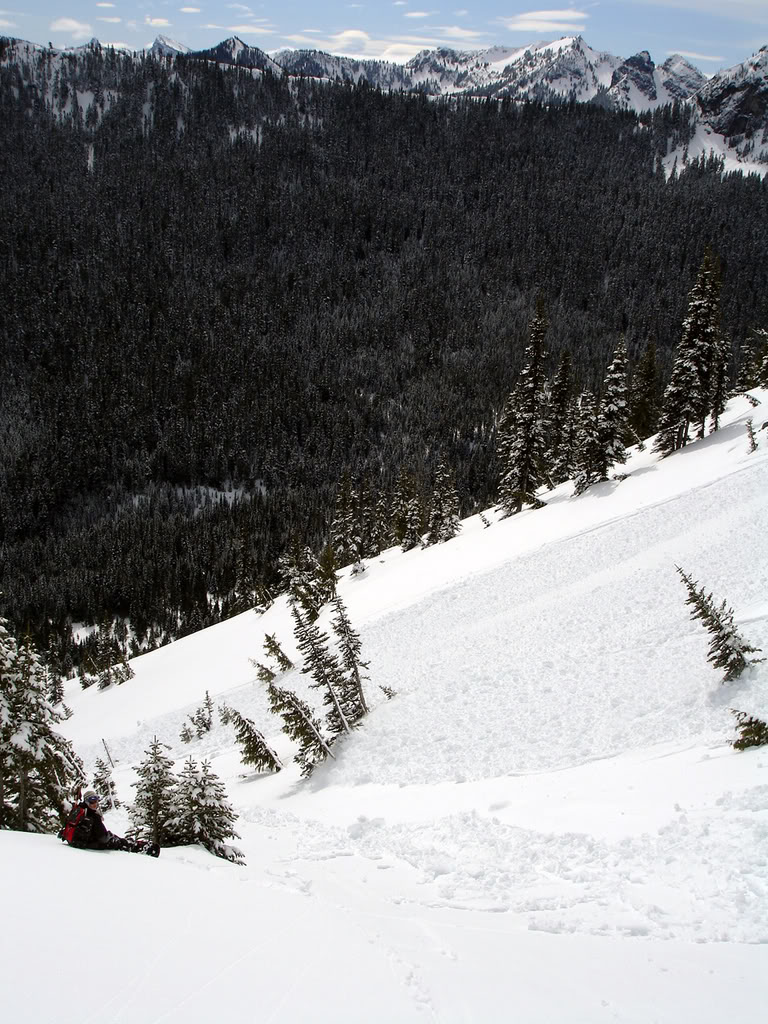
(301, 725)
(560, 421)
(111, 663)
(254, 748)
(308, 584)
(201, 813)
(155, 795)
(340, 695)
(39, 770)
(342, 526)
(273, 650)
(696, 389)
(587, 457)
(202, 719)
(350, 649)
(644, 394)
(613, 413)
(443, 518)
(523, 431)
(753, 732)
(727, 649)
(104, 784)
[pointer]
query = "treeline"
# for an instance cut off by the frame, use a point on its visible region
(223, 293)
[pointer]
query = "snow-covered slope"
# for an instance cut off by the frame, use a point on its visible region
(546, 823)
(734, 104)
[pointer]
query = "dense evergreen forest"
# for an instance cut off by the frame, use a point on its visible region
(222, 295)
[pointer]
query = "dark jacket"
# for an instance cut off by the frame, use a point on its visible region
(91, 832)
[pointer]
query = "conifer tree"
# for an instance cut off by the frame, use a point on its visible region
(155, 794)
(39, 770)
(350, 649)
(523, 430)
(613, 415)
(587, 460)
(696, 388)
(644, 395)
(340, 696)
(443, 521)
(559, 421)
(301, 725)
(253, 746)
(753, 732)
(727, 649)
(342, 527)
(104, 784)
(273, 650)
(201, 813)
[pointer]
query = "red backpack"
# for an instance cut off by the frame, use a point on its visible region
(76, 815)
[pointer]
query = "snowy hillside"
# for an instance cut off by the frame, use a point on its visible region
(546, 823)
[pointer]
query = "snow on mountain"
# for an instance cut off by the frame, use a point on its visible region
(547, 822)
(235, 51)
(165, 47)
(316, 64)
(734, 104)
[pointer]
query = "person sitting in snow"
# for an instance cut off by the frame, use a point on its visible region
(92, 834)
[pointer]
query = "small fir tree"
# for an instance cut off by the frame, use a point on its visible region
(201, 813)
(253, 747)
(728, 650)
(104, 784)
(752, 731)
(613, 416)
(273, 650)
(587, 459)
(155, 787)
(301, 725)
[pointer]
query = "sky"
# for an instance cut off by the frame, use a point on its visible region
(547, 821)
(712, 33)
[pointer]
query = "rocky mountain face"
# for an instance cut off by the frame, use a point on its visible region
(735, 104)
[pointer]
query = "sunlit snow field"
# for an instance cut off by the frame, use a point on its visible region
(546, 823)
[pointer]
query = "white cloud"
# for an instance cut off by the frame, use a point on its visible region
(105, 5)
(418, 14)
(240, 7)
(356, 43)
(157, 22)
(110, 21)
(76, 29)
(695, 56)
(189, 10)
(7, 24)
(456, 32)
(546, 21)
(251, 27)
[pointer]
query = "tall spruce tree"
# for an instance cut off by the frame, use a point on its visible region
(644, 394)
(613, 415)
(350, 649)
(697, 388)
(340, 695)
(443, 519)
(522, 442)
(39, 770)
(587, 459)
(560, 421)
